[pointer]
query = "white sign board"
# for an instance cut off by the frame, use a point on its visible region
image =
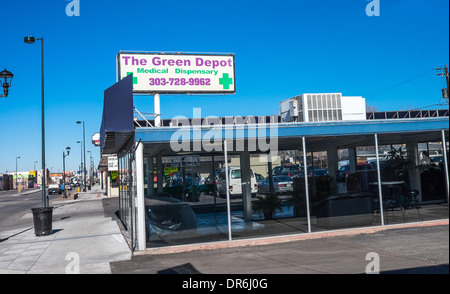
(113, 163)
(178, 73)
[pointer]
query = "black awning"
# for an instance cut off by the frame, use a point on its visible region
(117, 119)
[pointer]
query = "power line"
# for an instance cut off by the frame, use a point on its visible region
(402, 83)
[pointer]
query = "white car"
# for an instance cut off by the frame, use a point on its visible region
(234, 181)
(54, 189)
(281, 185)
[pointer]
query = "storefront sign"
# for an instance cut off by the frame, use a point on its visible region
(178, 73)
(113, 163)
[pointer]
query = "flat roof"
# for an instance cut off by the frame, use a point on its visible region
(338, 133)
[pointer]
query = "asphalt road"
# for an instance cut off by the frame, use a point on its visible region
(13, 207)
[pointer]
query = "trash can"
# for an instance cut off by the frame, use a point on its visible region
(42, 218)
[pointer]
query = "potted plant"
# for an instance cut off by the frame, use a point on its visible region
(397, 165)
(267, 204)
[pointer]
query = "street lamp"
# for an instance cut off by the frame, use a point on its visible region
(90, 169)
(42, 216)
(17, 186)
(31, 40)
(84, 154)
(35, 175)
(81, 154)
(64, 170)
(7, 76)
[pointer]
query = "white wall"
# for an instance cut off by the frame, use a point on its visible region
(353, 108)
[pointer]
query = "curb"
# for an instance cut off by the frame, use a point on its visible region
(284, 238)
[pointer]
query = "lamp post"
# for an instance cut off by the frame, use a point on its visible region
(35, 175)
(7, 76)
(90, 169)
(81, 162)
(64, 170)
(31, 40)
(17, 186)
(84, 154)
(42, 216)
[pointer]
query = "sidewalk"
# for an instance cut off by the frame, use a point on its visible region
(83, 240)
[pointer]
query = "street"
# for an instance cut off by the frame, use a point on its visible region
(13, 207)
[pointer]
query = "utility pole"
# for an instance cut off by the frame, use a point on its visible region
(444, 72)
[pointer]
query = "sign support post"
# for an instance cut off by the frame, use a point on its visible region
(157, 111)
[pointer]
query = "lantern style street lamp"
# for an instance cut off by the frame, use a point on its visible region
(7, 76)
(64, 171)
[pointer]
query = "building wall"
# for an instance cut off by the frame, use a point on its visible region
(353, 108)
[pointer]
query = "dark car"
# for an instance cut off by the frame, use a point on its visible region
(175, 188)
(345, 170)
(54, 189)
(284, 170)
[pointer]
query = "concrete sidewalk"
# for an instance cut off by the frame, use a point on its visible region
(83, 240)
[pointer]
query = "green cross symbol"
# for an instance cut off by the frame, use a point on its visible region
(225, 81)
(134, 78)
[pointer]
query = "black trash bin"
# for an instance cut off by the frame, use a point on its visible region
(42, 218)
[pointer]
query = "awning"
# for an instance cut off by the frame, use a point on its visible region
(117, 119)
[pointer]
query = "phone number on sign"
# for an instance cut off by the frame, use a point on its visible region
(179, 82)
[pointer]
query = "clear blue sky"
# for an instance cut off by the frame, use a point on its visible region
(282, 49)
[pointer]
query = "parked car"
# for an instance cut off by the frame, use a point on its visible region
(373, 163)
(284, 169)
(318, 172)
(234, 181)
(174, 187)
(259, 178)
(296, 173)
(345, 170)
(54, 189)
(281, 185)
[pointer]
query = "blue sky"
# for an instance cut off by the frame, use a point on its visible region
(282, 49)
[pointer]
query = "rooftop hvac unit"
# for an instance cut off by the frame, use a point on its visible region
(289, 110)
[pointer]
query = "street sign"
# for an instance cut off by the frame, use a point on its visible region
(187, 160)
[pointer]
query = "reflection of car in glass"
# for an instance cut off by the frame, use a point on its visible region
(54, 189)
(259, 178)
(318, 172)
(284, 170)
(281, 185)
(175, 188)
(373, 163)
(345, 170)
(234, 182)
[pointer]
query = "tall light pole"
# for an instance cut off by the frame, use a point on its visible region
(90, 169)
(84, 155)
(64, 170)
(35, 175)
(31, 40)
(81, 153)
(17, 186)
